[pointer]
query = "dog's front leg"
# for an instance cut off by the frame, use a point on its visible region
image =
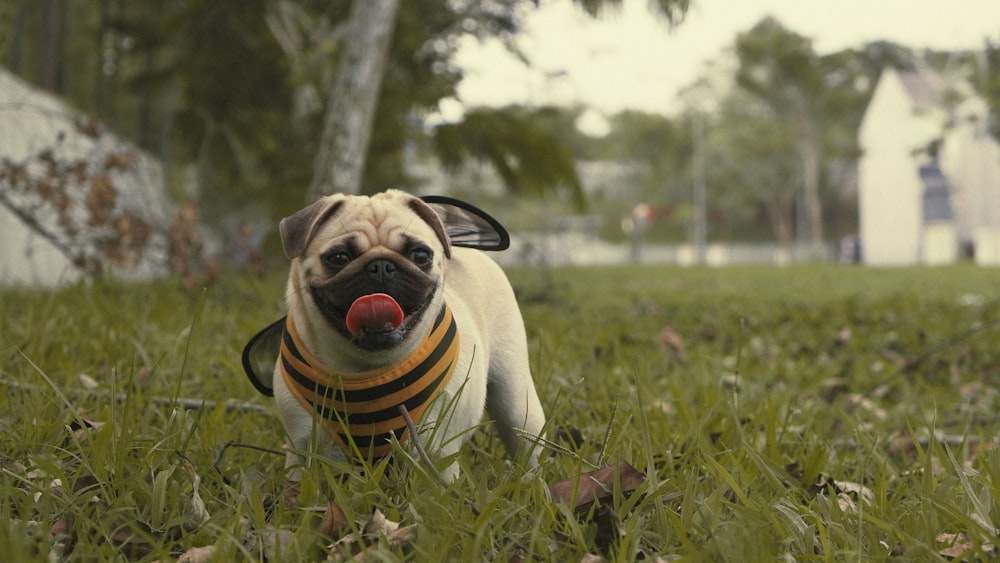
(512, 402)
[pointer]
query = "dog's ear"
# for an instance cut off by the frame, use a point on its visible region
(434, 220)
(298, 229)
(260, 355)
(467, 225)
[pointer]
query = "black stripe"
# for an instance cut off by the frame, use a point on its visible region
(290, 344)
(364, 442)
(378, 391)
(387, 413)
(398, 384)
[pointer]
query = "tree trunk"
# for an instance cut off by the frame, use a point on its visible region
(50, 63)
(779, 214)
(353, 99)
(814, 205)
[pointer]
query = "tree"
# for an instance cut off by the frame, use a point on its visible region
(529, 159)
(235, 90)
(755, 163)
(341, 155)
(351, 108)
(989, 85)
(779, 68)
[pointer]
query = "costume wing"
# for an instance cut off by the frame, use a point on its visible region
(467, 225)
(259, 356)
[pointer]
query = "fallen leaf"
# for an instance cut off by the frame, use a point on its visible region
(333, 522)
(848, 493)
(597, 485)
(672, 341)
(731, 381)
(88, 424)
(351, 546)
(832, 388)
(88, 382)
(291, 493)
(197, 513)
(855, 401)
(276, 542)
(197, 554)
(569, 434)
(957, 545)
(378, 524)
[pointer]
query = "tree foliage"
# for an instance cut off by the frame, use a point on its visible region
(528, 158)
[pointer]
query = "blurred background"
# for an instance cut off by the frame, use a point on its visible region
(147, 137)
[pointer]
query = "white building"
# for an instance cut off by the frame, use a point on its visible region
(929, 176)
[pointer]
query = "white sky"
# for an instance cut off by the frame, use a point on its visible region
(632, 60)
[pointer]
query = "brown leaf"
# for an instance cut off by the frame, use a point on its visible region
(333, 522)
(197, 554)
(291, 493)
(88, 382)
(597, 485)
(276, 541)
(378, 525)
(88, 423)
(397, 535)
(569, 434)
(672, 342)
(832, 388)
(956, 545)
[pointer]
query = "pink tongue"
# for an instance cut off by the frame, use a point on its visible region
(374, 313)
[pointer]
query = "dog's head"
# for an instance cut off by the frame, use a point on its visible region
(371, 268)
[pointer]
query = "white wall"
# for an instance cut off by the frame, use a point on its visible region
(890, 205)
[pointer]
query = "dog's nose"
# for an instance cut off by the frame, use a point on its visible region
(381, 269)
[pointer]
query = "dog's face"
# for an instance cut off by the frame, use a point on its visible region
(371, 267)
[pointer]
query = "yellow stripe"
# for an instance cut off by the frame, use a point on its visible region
(320, 375)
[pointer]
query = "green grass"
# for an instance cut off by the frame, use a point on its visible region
(792, 386)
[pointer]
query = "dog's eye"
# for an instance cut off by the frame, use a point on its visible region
(421, 256)
(336, 259)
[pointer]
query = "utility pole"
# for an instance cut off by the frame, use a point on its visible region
(699, 228)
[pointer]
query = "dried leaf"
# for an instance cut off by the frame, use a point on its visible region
(88, 382)
(597, 485)
(276, 541)
(379, 524)
(848, 493)
(197, 554)
(832, 388)
(569, 434)
(291, 493)
(334, 521)
(957, 545)
(672, 342)
(854, 402)
(350, 546)
(197, 513)
(59, 538)
(731, 381)
(80, 430)
(396, 535)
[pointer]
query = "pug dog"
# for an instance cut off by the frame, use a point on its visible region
(395, 312)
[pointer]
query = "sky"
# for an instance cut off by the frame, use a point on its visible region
(630, 59)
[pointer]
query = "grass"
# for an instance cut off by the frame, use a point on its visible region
(807, 413)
